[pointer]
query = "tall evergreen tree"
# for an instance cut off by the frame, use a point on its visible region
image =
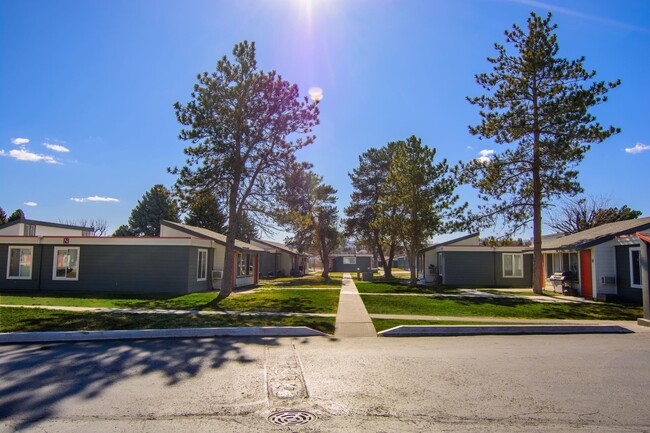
(17, 215)
(206, 212)
(419, 198)
(3, 217)
(540, 102)
(309, 210)
(246, 229)
(245, 126)
(368, 181)
(155, 205)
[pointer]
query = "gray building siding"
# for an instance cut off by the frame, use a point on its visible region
(362, 264)
(19, 284)
(117, 268)
(474, 268)
(623, 281)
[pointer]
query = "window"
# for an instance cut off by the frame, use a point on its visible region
(30, 230)
(561, 262)
(66, 263)
(244, 265)
(635, 267)
(19, 263)
(513, 266)
(202, 266)
(349, 260)
(86, 233)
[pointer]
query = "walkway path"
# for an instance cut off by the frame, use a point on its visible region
(352, 319)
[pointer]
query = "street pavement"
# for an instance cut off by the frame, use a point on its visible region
(567, 383)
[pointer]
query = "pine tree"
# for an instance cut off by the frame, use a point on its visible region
(539, 102)
(245, 126)
(419, 199)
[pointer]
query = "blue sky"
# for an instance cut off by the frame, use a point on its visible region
(91, 85)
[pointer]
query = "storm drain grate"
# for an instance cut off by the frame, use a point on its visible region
(291, 417)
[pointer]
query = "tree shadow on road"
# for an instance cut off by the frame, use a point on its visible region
(35, 378)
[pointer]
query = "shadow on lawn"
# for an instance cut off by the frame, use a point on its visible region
(560, 310)
(36, 378)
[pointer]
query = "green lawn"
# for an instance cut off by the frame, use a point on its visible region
(288, 301)
(308, 281)
(399, 286)
(35, 319)
(486, 307)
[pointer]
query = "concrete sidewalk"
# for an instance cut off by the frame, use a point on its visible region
(352, 319)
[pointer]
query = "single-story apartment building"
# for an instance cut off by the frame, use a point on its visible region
(464, 261)
(176, 262)
(279, 260)
(602, 262)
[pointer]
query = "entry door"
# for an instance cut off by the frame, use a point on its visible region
(585, 274)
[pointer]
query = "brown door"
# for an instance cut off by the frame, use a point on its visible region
(585, 274)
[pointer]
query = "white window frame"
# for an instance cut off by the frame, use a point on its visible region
(521, 267)
(349, 260)
(640, 285)
(54, 264)
(30, 230)
(243, 265)
(202, 266)
(20, 259)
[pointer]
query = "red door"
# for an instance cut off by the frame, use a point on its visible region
(585, 274)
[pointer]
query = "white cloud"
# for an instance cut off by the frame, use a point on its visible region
(56, 147)
(19, 141)
(485, 155)
(26, 155)
(95, 198)
(30, 203)
(638, 148)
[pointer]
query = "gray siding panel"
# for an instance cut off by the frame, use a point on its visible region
(469, 268)
(14, 284)
(623, 281)
(363, 264)
(485, 269)
(139, 269)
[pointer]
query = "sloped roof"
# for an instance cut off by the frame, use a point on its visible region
(644, 235)
(279, 246)
(45, 224)
(209, 234)
(449, 242)
(597, 235)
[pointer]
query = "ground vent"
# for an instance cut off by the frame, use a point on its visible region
(291, 417)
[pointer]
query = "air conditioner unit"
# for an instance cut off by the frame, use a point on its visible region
(608, 280)
(217, 275)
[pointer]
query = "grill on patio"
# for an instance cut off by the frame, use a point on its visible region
(562, 283)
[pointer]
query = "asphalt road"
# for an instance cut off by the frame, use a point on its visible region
(571, 383)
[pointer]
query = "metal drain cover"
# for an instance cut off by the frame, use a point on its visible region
(291, 417)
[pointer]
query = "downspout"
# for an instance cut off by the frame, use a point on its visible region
(494, 267)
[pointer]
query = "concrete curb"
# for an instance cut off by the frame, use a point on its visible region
(71, 336)
(450, 331)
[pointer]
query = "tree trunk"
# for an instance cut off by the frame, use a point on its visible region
(537, 199)
(413, 280)
(227, 283)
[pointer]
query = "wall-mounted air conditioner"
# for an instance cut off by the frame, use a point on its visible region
(608, 280)
(217, 275)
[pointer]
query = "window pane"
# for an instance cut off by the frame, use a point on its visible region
(507, 265)
(72, 264)
(517, 266)
(14, 262)
(635, 265)
(61, 263)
